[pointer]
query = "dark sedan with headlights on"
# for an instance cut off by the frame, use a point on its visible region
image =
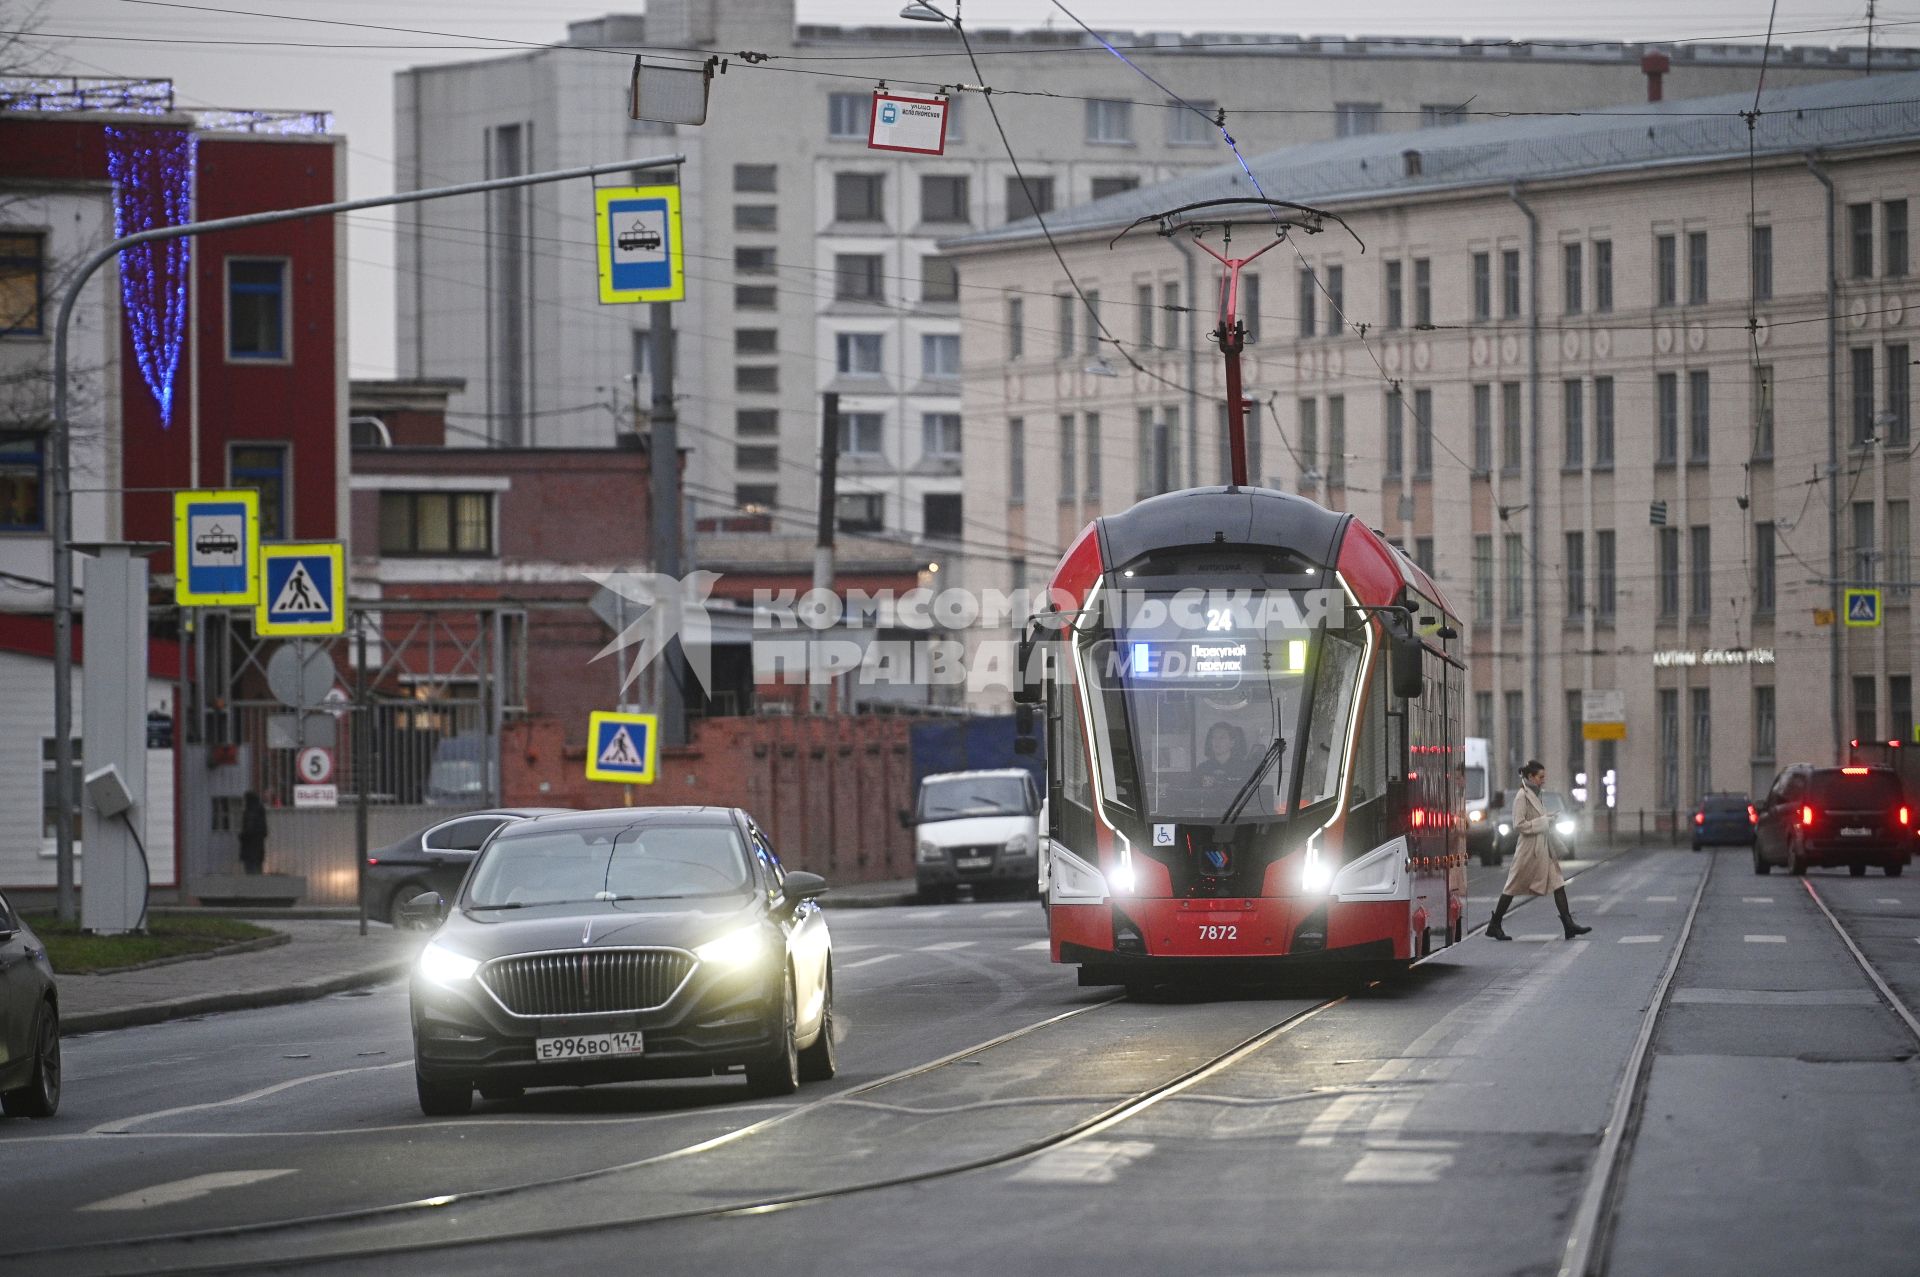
(617, 945)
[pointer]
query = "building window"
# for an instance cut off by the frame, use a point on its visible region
(1031, 197)
(49, 801)
(1603, 423)
(1336, 441)
(1016, 327)
(1893, 215)
(1862, 416)
(859, 277)
(1355, 119)
(1602, 276)
(1667, 423)
(857, 354)
(756, 422)
(1667, 568)
(23, 281)
(756, 456)
(752, 341)
(754, 179)
(1192, 127)
(1696, 268)
(754, 297)
(939, 279)
(1104, 187)
(1763, 568)
(1605, 582)
(860, 512)
(1699, 419)
(1170, 316)
(1090, 422)
(1764, 730)
(1423, 434)
(1090, 300)
(1863, 555)
(1309, 302)
(1483, 579)
(1069, 453)
(1899, 408)
(1573, 430)
(1483, 715)
(1899, 549)
(1152, 455)
(1576, 574)
(256, 308)
(1860, 240)
(263, 467)
(1762, 412)
(756, 498)
(1016, 460)
(940, 434)
(1422, 293)
(1396, 435)
(436, 523)
(1762, 263)
(1510, 283)
(1309, 432)
(1110, 123)
(23, 469)
(1482, 428)
(1516, 564)
(1395, 309)
(755, 217)
(1249, 315)
(1434, 115)
(1702, 742)
(940, 515)
(1866, 718)
(1572, 273)
(1423, 554)
(1666, 258)
(1064, 305)
(1336, 299)
(1143, 316)
(1669, 715)
(945, 199)
(1516, 707)
(859, 197)
(1700, 569)
(757, 379)
(849, 114)
(1483, 286)
(753, 261)
(1900, 706)
(1510, 427)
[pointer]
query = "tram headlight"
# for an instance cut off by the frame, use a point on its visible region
(1120, 877)
(1315, 876)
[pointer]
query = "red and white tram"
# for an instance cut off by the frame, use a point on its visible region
(1255, 743)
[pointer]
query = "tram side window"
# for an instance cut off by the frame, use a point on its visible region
(1076, 785)
(1370, 761)
(1333, 694)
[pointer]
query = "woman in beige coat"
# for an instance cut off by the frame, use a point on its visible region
(1535, 871)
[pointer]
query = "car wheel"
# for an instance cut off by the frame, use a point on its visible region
(780, 1073)
(819, 1062)
(397, 902)
(1893, 871)
(1856, 871)
(1760, 867)
(443, 1099)
(40, 1097)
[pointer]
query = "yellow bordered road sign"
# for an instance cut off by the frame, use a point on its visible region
(641, 256)
(1862, 607)
(216, 548)
(303, 590)
(622, 747)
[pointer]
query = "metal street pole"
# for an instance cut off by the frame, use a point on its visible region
(362, 762)
(62, 510)
(829, 492)
(664, 472)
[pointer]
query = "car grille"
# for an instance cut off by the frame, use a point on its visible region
(593, 981)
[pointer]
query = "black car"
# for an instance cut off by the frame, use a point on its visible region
(1853, 816)
(614, 945)
(434, 859)
(1724, 820)
(29, 1022)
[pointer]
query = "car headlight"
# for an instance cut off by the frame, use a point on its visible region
(1020, 845)
(1475, 817)
(1563, 828)
(443, 966)
(928, 854)
(735, 949)
(1505, 829)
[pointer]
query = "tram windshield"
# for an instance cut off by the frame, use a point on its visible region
(1218, 722)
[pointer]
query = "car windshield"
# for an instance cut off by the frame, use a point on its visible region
(640, 860)
(1865, 788)
(964, 796)
(1476, 784)
(1726, 804)
(452, 776)
(1252, 698)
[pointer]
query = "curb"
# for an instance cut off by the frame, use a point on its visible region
(237, 1000)
(273, 941)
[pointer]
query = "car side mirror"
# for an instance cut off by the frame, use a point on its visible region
(1030, 687)
(7, 932)
(801, 885)
(1409, 667)
(428, 909)
(1025, 745)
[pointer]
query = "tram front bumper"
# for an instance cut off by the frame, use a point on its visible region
(1164, 935)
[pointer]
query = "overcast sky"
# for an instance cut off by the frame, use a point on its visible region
(138, 37)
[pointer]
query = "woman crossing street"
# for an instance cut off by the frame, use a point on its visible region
(1535, 870)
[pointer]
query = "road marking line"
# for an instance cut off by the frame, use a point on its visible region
(121, 1125)
(1663, 900)
(1758, 900)
(1397, 1167)
(1321, 1130)
(992, 914)
(853, 948)
(1641, 939)
(867, 962)
(184, 1190)
(1766, 939)
(1886, 900)
(1536, 936)
(1089, 1162)
(946, 946)
(1035, 946)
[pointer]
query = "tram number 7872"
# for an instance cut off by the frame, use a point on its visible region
(1210, 931)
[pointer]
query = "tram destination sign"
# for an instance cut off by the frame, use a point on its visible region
(1210, 658)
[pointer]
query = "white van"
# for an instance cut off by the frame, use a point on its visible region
(1481, 806)
(978, 828)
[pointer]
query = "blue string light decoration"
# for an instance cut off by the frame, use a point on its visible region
(152, 171)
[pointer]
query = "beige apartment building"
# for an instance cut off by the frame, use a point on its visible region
(1642, 406)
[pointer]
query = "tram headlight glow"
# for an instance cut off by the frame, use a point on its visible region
(1315, 876)
(1121, 877)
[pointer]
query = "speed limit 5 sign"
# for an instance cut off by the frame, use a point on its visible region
(315, 765)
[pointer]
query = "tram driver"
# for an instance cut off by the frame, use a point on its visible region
(1225, 763)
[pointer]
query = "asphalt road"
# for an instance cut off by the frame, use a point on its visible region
(1445, 1123)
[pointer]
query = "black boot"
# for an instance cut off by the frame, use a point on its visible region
(1574, 929)
(1499, 911)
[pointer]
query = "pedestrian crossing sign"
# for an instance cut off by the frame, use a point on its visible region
(622, 747)
(302, 590)
(1863, 607)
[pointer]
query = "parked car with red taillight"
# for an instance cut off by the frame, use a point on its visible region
(1724, 820)
(1853, 816)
